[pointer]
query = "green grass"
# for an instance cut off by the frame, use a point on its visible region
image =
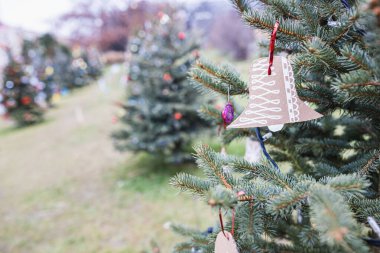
(148, 175)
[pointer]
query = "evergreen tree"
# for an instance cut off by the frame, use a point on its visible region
(85, 67)
(50, 62)
(58, 67)
(161, 109)
(322, 202)
(19, 96)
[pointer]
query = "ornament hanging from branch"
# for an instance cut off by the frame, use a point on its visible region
(273, 99)
(225, 242)
(228, 111)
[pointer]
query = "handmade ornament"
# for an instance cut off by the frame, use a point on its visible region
(225, 243)
(273, 99)
(228, 111)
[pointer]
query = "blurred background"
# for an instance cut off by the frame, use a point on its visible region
(64, 77)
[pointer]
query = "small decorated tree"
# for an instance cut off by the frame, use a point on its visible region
(19, 96)
(161, 109)
(49, 61)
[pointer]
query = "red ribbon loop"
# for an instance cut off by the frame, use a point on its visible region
(232, 221)
(271, 47)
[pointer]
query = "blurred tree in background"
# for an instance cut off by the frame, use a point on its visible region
(20, 95)
(161, 110)
(85, 66)
(59, 67)
(329, 182)
(50, 61)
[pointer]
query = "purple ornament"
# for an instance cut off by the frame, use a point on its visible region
(228, 114)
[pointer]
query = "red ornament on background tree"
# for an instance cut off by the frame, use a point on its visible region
(178, 116)
(181, 35)
(167, 77)
(26, 100)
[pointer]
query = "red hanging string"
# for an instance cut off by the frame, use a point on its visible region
(233, 222)
(271, 47)
(221, 221)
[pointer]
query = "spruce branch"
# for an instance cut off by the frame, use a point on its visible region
(331, 216)
(365, 208)
(372, 165)
(241, 5)
(190, 183)
(211, 114)
(212, 163)
(265, 172)
(283, 9)
(222, 197)
(354, 85)
(359, 58)
(286, 201)
(234, 134)
(349, 185)
(288, 30)
(221, 78)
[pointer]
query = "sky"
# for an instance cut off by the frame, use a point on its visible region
(37, 15)
(33, 15)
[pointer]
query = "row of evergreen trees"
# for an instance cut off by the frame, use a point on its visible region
(328, 182)
(45, 68)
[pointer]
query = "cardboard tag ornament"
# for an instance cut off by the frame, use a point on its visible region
(225, 243)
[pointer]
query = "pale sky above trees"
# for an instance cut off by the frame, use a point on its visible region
(38, 15)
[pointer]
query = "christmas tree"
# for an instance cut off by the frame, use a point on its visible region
(85, 66)
(325, 188)
(161, 110)
(50, 62)
(20, 95)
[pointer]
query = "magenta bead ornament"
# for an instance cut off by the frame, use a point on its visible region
(228, 114)
(228, 111)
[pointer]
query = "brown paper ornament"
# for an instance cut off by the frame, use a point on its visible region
(225, 243)
(273, 99)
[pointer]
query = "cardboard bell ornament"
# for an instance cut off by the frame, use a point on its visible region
(273, 98)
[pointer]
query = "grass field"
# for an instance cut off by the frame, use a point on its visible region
(63, 187)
